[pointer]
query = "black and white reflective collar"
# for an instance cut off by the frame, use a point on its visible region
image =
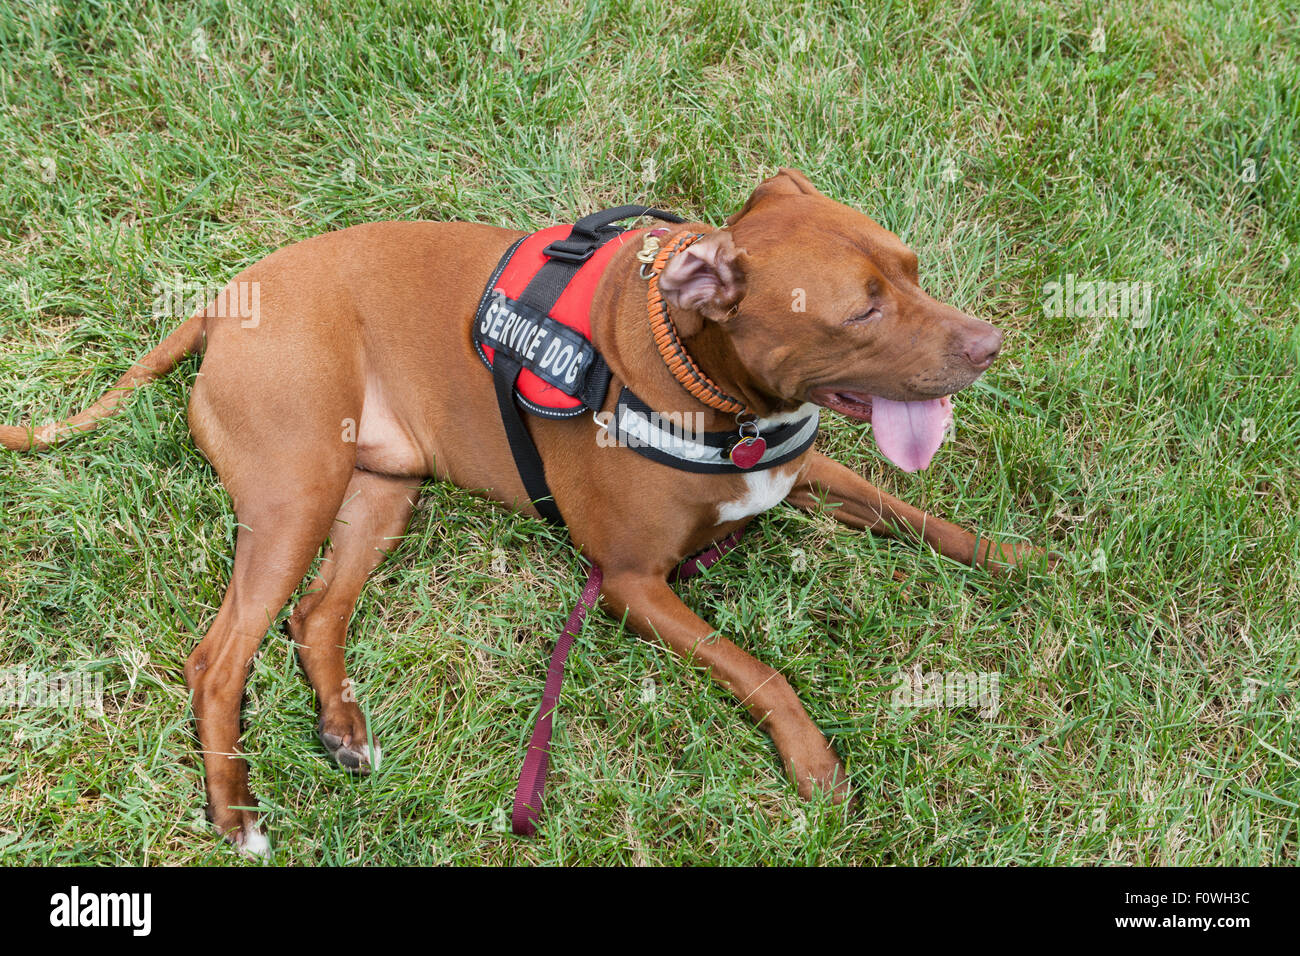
(678, 439)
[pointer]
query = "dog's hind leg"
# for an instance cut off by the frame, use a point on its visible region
(282, 523)
(375, 512)
(278, 537)
(286, 471)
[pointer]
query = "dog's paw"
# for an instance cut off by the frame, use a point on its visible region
(351, 746)
(834, 782)
(1004, 559)
(818, 770)
(239, 823)
(253, 843)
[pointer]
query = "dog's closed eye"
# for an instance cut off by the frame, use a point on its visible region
(871, 315)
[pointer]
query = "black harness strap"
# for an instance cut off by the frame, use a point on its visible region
(527, 460)
(541, 293)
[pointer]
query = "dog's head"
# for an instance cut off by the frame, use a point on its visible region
(821, 304)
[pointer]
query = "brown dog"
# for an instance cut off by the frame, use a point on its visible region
(357, 380)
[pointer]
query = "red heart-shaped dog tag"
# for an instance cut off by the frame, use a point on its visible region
(748, 452)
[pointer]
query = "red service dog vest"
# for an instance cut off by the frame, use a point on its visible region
(553, 348)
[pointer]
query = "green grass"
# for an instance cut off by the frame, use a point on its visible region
(1125, 735)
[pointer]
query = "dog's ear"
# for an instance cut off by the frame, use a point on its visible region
(707, 278)
(789, 182)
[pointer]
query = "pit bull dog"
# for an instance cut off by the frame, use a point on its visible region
(360, 378)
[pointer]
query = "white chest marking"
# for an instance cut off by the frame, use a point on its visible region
(784, 418)
(763, 490)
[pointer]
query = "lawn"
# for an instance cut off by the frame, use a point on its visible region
(1148, 685)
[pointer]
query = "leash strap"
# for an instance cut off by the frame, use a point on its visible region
(698, 563)
(532, 778)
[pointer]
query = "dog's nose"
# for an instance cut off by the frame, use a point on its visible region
(982, 348)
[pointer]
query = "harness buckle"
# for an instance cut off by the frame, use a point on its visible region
(563, 251)
(580, 244)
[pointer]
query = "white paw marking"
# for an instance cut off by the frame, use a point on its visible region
(764, 490)
(376, 754)
(255, 843)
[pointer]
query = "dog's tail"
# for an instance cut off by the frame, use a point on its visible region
(185, 340)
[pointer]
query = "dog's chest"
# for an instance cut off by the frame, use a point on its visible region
(763, 490)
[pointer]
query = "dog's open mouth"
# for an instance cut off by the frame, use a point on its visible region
(908, 433)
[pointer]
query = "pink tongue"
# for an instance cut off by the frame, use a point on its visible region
(909, 433)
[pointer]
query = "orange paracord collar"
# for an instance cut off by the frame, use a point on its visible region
(670, 345)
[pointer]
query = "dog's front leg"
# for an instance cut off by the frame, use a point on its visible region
(655, 612)
(852, 499)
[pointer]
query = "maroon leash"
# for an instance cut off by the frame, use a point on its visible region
(532, 779)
